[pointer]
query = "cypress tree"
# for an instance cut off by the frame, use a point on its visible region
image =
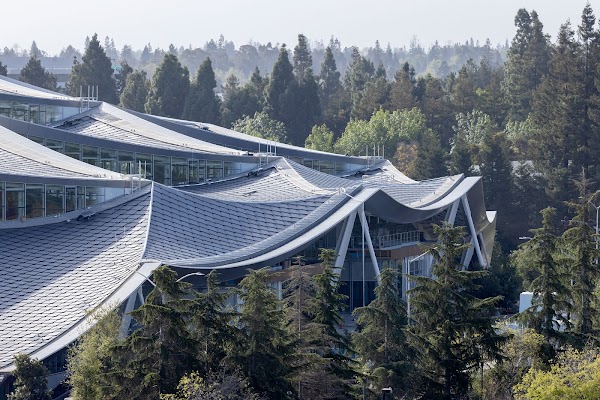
(135, 92)
(169, 89)
(281, 78)
(202, 103)
(34, 74)
(94, 70)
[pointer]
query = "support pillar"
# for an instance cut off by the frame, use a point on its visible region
(473, 232)
(341, 247)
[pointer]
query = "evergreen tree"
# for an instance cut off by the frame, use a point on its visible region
(31, 379)
(302, 57)
(358, 74)
(380, 339)
(549, 292)
(239, 102)
(155, 356)
(460, 156)
(169, 89)
(430, 162)
(202, 103)
(334, 347)
(3, 69)
(332, 96)
(402, 89)
(375, 95)
(135, 92)
(281, 79)
(463, 89)
(435, 105)
(34, 74)
(210, 324)
(263, 353)
(95, 70)
(121, 77)
(452, 331)
(582, 247)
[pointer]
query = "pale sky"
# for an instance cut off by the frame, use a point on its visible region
(56, 24)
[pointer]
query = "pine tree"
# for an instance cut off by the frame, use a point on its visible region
(334, 347)
(332, 96)
(281, 78)
(239, 102)
(210, 324)
(121, 77)
(31, 379)
(263, 353)
(169, 89)
(460, 156)
(94, 70)
(402, 89)
(302, 57)
(430, 162)
(158, 354)
(375, 95)
(435, 105)
(581, 246)
(3, 69)
(358, 74)
(451, 330)
(135, 92)
(549, 291)
(380, 339)
(34, 74)
(202, 103)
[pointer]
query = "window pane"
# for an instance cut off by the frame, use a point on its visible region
(214, 170)
(55, 200)
(73, 150)
(35, 201)
(108, 159)
(162, 170)
(93, 195)
(179, 171)
(71, 198)
(15, 201)
(90, 155)
(143, 165)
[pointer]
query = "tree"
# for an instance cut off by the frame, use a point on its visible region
(302, 57)
(581, 246)
(265, 348)
(321, 138)
(34, 74)
(332, 96)
(549, 304)
(89, 359)
(380, 339)
(135, 92)
(239, 102)
(169, 89)
(452, 331)
(281, 79)
(430, 162)
(460, 156)
(334, 347)
(220, 385)
(402, 89)
(95, 70)
(202, 103)
(121, 76)
(261, 125)
(358, 74)
(574, 376)
(3, 69)
(155, 356)
(31, 379)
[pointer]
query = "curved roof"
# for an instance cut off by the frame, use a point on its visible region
(15, 87)
(21, 157)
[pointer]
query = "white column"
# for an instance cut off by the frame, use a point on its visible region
(451, 215)
(342, 244)
(126, 318)
(365, 226)
(473, 232)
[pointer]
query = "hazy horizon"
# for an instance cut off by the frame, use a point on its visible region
(186, 23)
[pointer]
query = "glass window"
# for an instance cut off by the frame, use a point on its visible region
(339, 168)
(73, 150)
(201, 170)
(308, 163)
(34, 201)
(108, 159)
(125, 162)
(162, 170)
(39, 140)
(55, 200)
(327, 167)
(229, 168)
(93, 195)
(55, 145)
(71, 198)
(90, 154)
(80, 197)
(143, 165)
(1, 201)
(15, 201)
(179, 168)
(193, 171)
(214, 170)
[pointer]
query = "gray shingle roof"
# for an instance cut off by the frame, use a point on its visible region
(12, 86)
(52, 274)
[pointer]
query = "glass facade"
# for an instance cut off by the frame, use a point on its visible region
(20, 201)
(41, 114)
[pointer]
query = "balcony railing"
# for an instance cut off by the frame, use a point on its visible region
(398, 239)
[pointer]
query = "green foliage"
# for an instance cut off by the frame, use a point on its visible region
(264, 348)
(121, 77)
(381, 339)
(34, 74)
(239, 102)
(94, 70)
(135, 92)
(452, 330)
(3, 69)
(431, 158)
(31, 379)
(169, 89)
(261, 125)
(321, 138)
(89, 359)
(202, 103)
(220, 385)
(574, 375)
(332, 96)
(402, 89)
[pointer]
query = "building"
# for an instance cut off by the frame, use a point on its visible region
(94, 201)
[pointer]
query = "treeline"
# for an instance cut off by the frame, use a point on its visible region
(439, 60)
(189, 345)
